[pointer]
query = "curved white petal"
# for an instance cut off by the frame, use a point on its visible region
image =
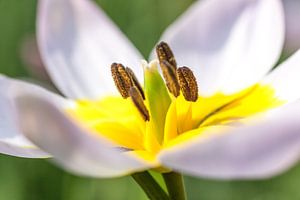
(19, 146)
(78, 43)
(292, 16)
(12, 141)
(257, 151)
(285, 78)
(72, 147)
(228, 45)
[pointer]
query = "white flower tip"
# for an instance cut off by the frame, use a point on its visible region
(153, 64)
(144, 64)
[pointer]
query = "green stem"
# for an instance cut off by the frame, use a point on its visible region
(175, 185)
(150, 186)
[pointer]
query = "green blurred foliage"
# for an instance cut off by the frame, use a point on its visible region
(142, 21)
(16, 21)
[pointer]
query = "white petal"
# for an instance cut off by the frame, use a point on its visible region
(12, 141)
(19, 146)
(72, 147)
(78, 43)
(228, 45)
(285, 78)
(258, 151)
(292, 16)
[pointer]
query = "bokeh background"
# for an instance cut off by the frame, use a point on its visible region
(142, 21)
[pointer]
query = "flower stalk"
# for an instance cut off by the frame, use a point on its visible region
(173, 181)
(175, 185)
(150, 186)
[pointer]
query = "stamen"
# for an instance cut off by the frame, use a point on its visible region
(137, 99)
(128, 86)
(135, 81)
(188, 83)
(122, 79)
(168, 66)
(164, 53)
(169, 74)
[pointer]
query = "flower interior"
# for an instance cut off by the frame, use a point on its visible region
(167, 111)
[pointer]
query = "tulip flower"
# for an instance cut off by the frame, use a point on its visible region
(208, 103)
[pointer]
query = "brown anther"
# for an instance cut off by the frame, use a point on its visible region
(128, 86)
(122, 79)
(135, 81)
(137, 99)
(164, 53)
(169, 74)
(187, 83)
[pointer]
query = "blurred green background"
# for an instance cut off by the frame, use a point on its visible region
(142, 21)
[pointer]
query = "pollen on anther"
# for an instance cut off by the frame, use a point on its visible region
(170, 77)
(137, 100)
(135, 81)
(168, 66)
(187, 83)
(164, 53)
(122, 79)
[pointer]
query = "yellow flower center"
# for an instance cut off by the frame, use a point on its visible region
(169, 119)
